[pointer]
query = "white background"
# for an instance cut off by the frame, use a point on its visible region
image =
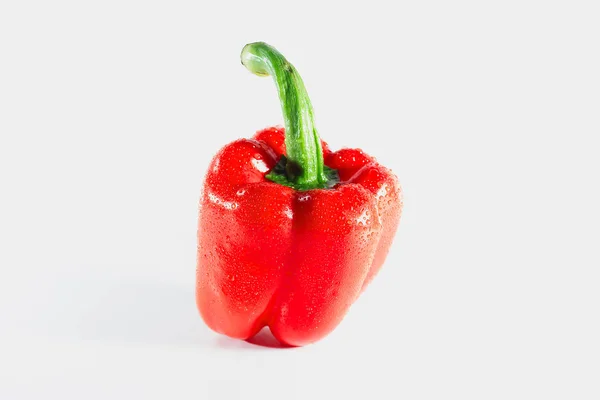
(487, 111)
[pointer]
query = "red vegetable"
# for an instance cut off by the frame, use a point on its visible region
(289, 239)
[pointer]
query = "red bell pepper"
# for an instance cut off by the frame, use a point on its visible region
(289, 232)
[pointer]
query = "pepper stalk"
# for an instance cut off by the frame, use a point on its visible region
(303, 168)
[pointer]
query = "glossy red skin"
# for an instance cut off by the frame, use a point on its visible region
(295, 261)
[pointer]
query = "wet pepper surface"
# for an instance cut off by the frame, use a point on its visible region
(291, 251)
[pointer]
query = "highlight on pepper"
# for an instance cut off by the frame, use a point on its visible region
(290, 233)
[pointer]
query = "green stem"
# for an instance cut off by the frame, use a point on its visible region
(304, 168)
